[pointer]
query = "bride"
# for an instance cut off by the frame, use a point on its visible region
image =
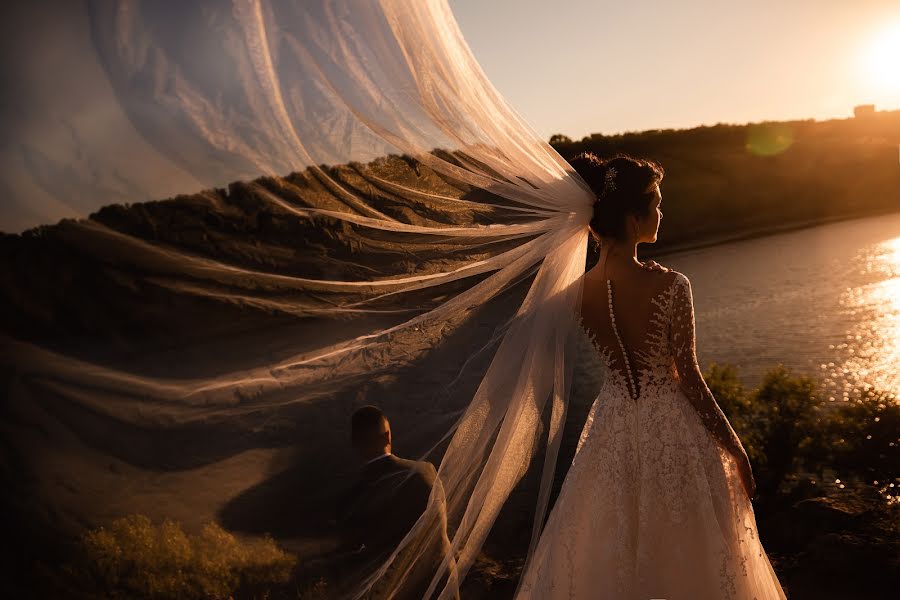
(656, 503)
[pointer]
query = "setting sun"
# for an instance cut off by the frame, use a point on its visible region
(882, 60)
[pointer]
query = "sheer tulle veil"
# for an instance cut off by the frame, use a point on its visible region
(370, 120)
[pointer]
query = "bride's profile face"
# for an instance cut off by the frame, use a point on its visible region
(649, 225)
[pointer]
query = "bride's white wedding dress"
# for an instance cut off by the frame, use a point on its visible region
(652, 506)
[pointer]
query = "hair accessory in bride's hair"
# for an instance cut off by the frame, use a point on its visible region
(610, 181)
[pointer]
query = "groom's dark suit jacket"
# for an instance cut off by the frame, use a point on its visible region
(380, 509)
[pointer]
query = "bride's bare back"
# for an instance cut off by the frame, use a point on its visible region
(636, 310)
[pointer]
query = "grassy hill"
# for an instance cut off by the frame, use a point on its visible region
(725, 181)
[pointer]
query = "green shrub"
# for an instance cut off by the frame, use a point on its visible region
(133, 558)
(776, 421)
(786, 411)
(786, 429)
(861, 440)
(726, 386)
(728, 390)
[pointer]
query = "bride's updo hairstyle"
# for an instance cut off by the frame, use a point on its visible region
(630, 194)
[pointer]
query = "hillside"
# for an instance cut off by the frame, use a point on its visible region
(726, 181)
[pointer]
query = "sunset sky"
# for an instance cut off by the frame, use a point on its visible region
(583, 66)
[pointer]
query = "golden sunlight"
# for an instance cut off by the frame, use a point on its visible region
(887, 297)
(882, 61)
(876, 349)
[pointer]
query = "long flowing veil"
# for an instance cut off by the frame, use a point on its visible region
(383, 203)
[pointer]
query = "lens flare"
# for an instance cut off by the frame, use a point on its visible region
(768, 139)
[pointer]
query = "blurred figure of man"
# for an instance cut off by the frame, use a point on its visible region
(388, 498)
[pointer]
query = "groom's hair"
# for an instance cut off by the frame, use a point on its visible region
(366, 423)
(633, 178)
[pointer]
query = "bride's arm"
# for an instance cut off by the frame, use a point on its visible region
(690, 378)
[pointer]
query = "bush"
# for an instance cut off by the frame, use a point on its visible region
(861, 441)
(725, 384)
(786, 411)
(135, 559)
(786, 429)
(776, 421)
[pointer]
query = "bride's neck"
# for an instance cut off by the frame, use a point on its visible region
(618, 253)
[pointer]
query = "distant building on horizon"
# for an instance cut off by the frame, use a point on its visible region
(864, 110)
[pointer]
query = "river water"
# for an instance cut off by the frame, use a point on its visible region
(823, 301)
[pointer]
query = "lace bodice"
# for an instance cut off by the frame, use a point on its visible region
(667, 355)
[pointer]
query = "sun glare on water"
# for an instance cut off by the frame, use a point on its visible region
(874, 345)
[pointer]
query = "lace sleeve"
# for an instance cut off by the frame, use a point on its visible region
(683, 342)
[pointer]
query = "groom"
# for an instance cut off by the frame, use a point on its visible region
(389, 496)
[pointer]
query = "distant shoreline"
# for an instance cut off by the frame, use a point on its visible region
(760, 232)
